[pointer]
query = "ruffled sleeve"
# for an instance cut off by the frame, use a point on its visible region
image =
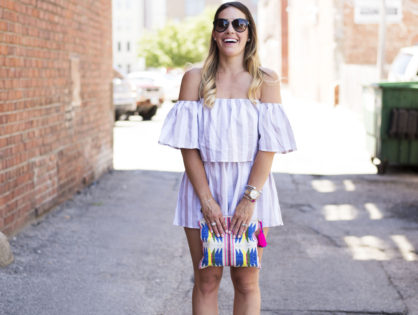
(275, 132)
(180, 128)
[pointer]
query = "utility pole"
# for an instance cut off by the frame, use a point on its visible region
(382, 39)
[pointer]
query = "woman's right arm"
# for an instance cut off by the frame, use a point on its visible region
(189, 91)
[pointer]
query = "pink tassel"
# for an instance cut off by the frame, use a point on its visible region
(261, 238)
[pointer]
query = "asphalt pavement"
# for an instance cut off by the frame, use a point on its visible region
(349, 243)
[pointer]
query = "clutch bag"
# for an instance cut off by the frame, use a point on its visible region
(229, 250)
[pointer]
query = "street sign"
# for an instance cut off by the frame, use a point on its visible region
(368, 11)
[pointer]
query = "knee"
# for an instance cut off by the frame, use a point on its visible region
(245, 285)
(208, 283)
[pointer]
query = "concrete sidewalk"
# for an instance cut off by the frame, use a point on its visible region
(347, 246)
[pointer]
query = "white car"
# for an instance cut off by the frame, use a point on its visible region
(150, 92)
(405, 65)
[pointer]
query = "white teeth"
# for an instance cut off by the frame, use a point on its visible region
(230, 40)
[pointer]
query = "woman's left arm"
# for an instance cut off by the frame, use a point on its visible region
(270, 93)
(258, 176)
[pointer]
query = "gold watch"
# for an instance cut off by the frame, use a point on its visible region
(252, 193)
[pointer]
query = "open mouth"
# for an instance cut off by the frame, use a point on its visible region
(230, 41)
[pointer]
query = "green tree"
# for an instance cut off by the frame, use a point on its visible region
(178, 44)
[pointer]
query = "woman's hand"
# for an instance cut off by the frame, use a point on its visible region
(213, 214)
(243, 214)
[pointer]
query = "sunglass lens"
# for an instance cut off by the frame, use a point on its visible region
(221, 25)
(240, 25)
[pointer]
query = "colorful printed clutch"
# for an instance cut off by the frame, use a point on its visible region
(227, 250)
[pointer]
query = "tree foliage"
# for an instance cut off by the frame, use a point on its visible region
(178, 43)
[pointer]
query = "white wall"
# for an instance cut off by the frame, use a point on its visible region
(155, 14)
(312, 66)
(128, 25)
(269, 33)
(130, 19)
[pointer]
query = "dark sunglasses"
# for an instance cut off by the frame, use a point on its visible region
(239, 25)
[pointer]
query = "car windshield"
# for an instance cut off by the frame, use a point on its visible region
(401, 62)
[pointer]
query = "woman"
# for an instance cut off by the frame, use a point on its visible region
(228, 123)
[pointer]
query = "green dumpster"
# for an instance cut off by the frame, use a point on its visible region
(391, 120)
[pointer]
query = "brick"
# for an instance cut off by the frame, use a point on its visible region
(361, 39)
(36, 38)
(9, 219)
(3, 26)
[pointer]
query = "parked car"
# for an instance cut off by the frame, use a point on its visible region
(405, 65)
(150, 92)
(124, 95)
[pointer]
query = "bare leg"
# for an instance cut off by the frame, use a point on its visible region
(206, 281)
(247, 300)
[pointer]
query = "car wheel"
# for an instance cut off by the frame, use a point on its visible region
(117, 116)
(148, 114)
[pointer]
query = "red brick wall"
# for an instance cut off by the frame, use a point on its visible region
(361, 40)
(56, 112)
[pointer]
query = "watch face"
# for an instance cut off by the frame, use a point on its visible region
(254, 194)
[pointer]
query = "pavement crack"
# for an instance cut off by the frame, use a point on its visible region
(406, 310)
(327, 237)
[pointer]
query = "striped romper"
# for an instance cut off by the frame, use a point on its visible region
(228, 137)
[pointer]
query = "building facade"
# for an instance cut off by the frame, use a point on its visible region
(56, 113)
(130, 19)
(317, 45)
(358, 45)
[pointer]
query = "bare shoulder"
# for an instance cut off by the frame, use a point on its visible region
(269, 75)
(189, 90)
(270, 89)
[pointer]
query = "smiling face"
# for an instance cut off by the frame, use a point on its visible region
(230, 42)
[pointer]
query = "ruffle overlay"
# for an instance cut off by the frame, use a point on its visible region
(232, 131)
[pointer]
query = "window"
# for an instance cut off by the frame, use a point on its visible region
(128, 46)
(119, 46)
(128, 68)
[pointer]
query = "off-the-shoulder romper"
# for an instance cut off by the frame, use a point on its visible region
(228, 137)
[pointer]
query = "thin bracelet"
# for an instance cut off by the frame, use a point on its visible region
(249, 198)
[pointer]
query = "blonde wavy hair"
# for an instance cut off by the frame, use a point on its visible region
(207, 88)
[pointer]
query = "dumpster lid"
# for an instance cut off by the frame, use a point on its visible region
(398, 85)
